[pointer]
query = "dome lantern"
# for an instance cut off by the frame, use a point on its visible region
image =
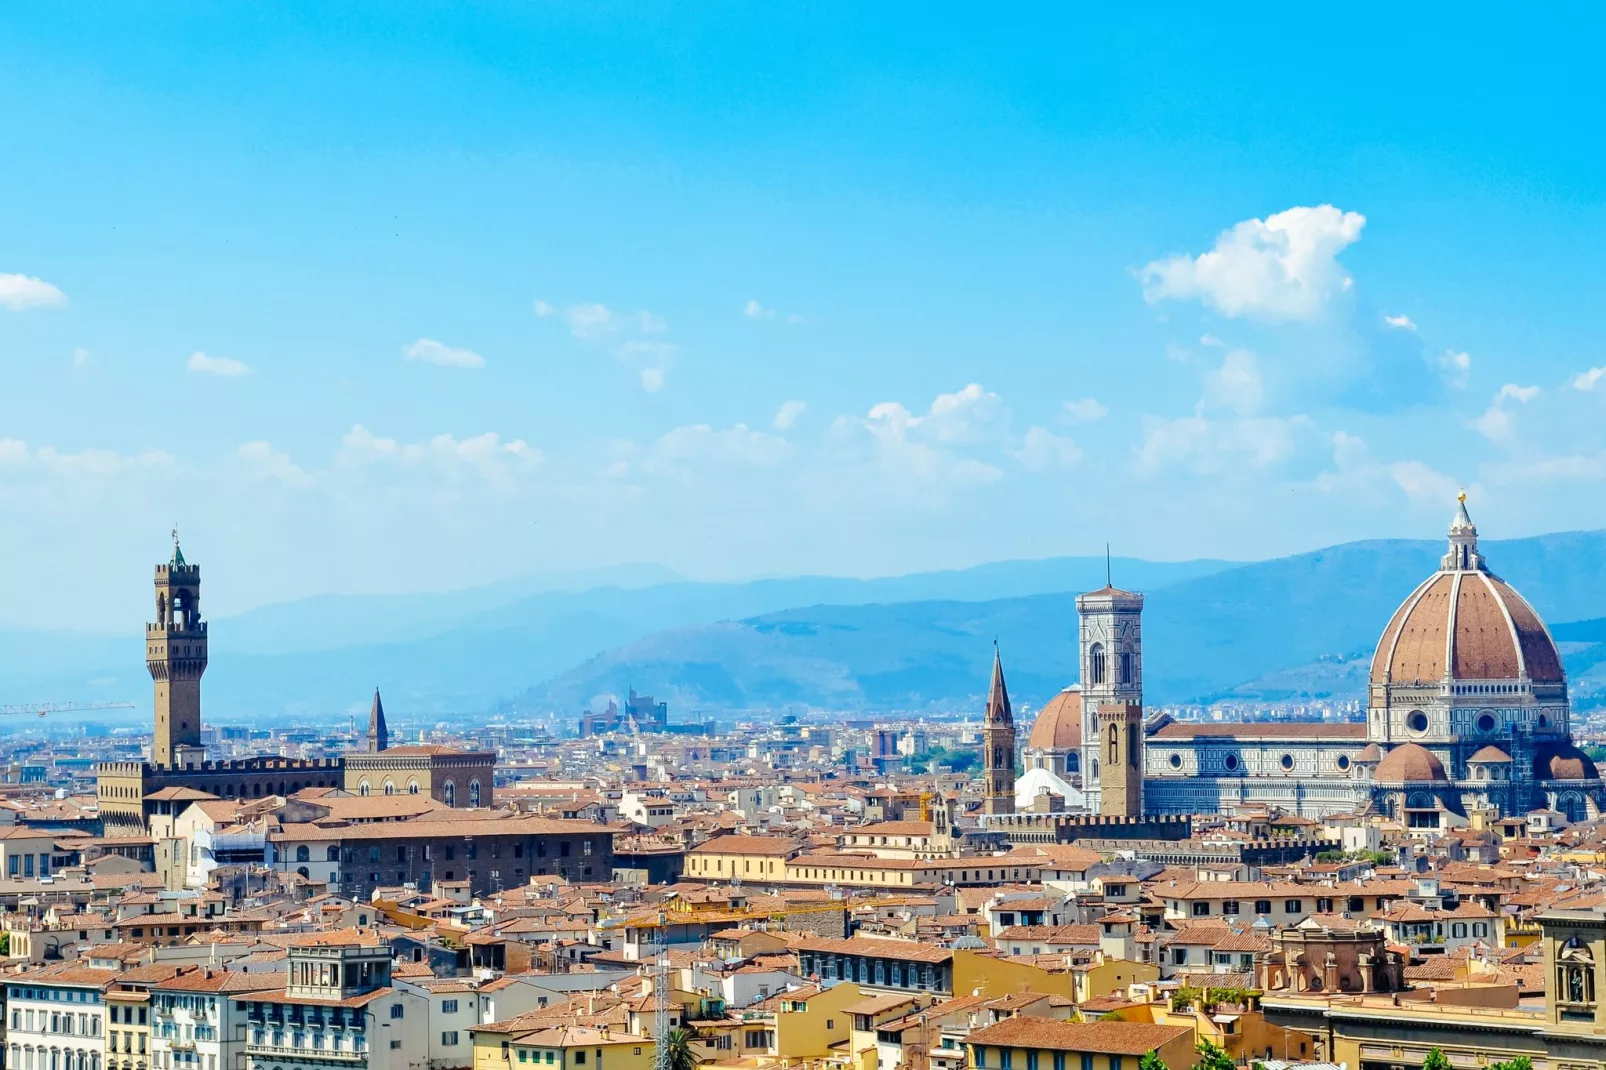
(1463, 554)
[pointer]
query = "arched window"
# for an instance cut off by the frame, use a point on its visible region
(332, 854)
(1093, 770)
(1095, 663)
(390, 786)
(474, 787)
(1073, 762)
(303, 854)
(1124, 668)
(449, 793)
(1115, 744)
(362, 786)
(1132, 749)
(303, 871)
(412, 786)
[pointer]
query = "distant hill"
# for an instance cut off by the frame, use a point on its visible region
(463, 652)
(1274, 629)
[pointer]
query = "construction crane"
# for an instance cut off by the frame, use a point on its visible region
(40, 709)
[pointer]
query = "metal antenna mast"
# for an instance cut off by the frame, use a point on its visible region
(660, 997)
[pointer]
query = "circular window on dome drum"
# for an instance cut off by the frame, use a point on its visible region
(1416, 721)
(1486, 723)
(1287, 761)
(1232, 761)
(1343, 761)
(1176, 761)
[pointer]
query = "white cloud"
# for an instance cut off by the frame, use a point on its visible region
(646, 321)
(1457, 368)
(1042, 449)
(80, 358)
(1236, 385)
(1284, 267)
(651, 359)
(795, 317)
(543, 310)
(1400, 322)
(1422, 484)
(1588, 380)
(1496, 423)
(1084, 410)
(699, 444)
(590, 320)
(1180, 354)
(788, 414)
(1216, 446)
(202, 364)
(755, 311)
(926, 450)
(432, 352)
(484, 456)
(262, 461)
(1212, 341)
(18, 292)
(15, 456)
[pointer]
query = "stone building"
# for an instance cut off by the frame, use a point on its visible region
(130, 792)
(489, 851)
(1467, 711)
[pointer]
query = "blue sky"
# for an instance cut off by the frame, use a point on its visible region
(400, 297)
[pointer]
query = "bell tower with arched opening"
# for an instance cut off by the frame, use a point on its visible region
(1110, 641)
(175, 654)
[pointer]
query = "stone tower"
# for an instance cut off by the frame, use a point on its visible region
(378, 731)
(998, 745)
(1110, 641)
(175, 653)
(1121, 740)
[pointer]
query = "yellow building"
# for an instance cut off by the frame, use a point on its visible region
(1031, 1043)
(1473, 1025)
(744, 857)
(810, 1020)
(563, 1047)
(1241, 1032)
(128, 1028)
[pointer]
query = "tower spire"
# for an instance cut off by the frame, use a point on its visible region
(998, 744)
(378, 731)
(998, 707)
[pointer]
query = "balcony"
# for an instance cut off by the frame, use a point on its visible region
(304, 1054)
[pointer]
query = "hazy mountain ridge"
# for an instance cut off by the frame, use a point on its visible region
(463, 652)
(1286, 628)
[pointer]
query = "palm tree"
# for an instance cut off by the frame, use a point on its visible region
(681, 1055)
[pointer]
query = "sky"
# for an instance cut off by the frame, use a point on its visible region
(400, 297)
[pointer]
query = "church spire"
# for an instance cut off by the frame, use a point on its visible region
(998, 745)
(378, 731)
(998, 708)
(1463, 554)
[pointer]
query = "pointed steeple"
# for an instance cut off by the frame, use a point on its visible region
(1463, 554)
(378, 731)
(178, 554)
(998, 708)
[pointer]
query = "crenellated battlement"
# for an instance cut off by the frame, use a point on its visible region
(180, 573)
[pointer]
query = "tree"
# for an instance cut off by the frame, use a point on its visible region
(1436, 1060)
(1212, 1057)
(681, 1055)
(1521, 1062)
(1152, 1061)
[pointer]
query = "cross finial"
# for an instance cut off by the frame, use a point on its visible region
(175, 536)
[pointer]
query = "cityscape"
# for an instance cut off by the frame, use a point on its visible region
(791, 537)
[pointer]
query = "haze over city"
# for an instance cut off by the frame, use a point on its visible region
(571, 536)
